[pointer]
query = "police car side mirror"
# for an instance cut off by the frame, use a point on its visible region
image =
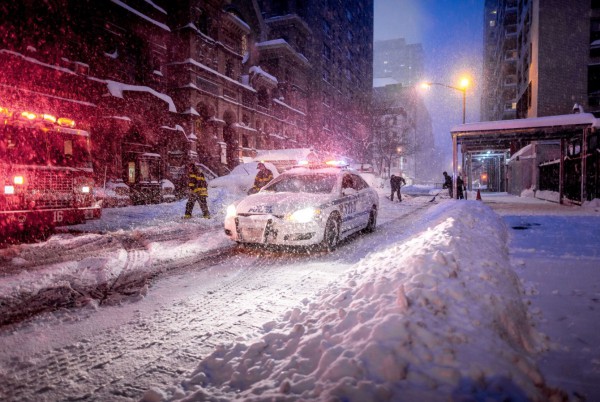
(349, 191)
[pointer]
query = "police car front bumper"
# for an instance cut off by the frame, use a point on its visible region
(273, 230)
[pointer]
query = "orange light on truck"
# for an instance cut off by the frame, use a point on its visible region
(85, 189)
(49, 117)
(18, 180)
(63, 121)
(4, 111)
(29, 115)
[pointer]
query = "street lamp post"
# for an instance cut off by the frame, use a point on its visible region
(464, 83)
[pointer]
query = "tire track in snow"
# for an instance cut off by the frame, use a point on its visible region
(156, 348)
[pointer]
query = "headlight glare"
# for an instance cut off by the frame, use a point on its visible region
(304, 215)
(231, 211)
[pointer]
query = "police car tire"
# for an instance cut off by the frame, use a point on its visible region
(372, 224)
(332, 233)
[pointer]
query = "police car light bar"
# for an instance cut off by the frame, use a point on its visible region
(336, 163)
(320, 165)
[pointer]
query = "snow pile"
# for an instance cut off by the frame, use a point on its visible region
(439, 317)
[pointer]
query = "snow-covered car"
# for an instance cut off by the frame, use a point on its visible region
(167, 191)
(241, 178)
(305, 206)
(115, 193)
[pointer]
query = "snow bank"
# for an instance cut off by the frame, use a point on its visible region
(439, 317)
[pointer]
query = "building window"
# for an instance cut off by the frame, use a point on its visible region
(229, 68)
(263, 97)
(594, 85)
(203, 21)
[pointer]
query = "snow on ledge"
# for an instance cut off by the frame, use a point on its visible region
(116, 89)
(259, 71)
(141, 15)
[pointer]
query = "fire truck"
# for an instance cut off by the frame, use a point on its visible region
(46, 175)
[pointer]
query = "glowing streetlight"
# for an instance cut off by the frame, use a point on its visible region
(463, 85)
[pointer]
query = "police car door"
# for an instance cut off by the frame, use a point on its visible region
(364, 202)
(349, 203)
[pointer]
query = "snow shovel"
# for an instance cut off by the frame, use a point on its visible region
(433, 199)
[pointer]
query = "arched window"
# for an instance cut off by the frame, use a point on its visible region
(203, 21)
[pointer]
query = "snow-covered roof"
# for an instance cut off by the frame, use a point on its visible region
(546, 121)
(139, 14)
(499, 134)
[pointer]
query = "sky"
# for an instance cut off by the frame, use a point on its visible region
(451, 32)
(456, 304)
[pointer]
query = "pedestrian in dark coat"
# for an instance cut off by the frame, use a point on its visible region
(198, 191)
(396, 182)
(447, 183)
(263, 177)
(460, 186)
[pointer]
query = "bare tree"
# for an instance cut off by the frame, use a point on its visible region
(391, 127)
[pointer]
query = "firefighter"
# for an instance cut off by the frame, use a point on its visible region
(263, 177)
(197, 192)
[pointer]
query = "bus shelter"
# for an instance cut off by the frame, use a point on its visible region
(577, 169)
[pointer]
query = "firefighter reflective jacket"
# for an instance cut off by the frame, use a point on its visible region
(263, 177)
(197, 183)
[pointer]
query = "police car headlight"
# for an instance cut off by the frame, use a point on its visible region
(231, 211)
(304, 215)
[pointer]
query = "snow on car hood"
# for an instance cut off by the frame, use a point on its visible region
(280, 203)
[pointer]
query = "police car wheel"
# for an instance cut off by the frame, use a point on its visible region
(370, 228)
(332, 234)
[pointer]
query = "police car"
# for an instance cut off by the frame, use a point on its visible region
(314, 204)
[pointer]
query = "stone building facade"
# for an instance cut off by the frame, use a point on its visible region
(207, 81)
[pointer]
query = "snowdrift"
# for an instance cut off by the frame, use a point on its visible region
(439, 317)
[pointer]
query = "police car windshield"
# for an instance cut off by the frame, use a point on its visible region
(306, 183)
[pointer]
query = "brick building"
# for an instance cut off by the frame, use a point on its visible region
(208, 81)
(540, 58)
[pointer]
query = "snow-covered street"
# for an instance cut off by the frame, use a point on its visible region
(446, 299)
